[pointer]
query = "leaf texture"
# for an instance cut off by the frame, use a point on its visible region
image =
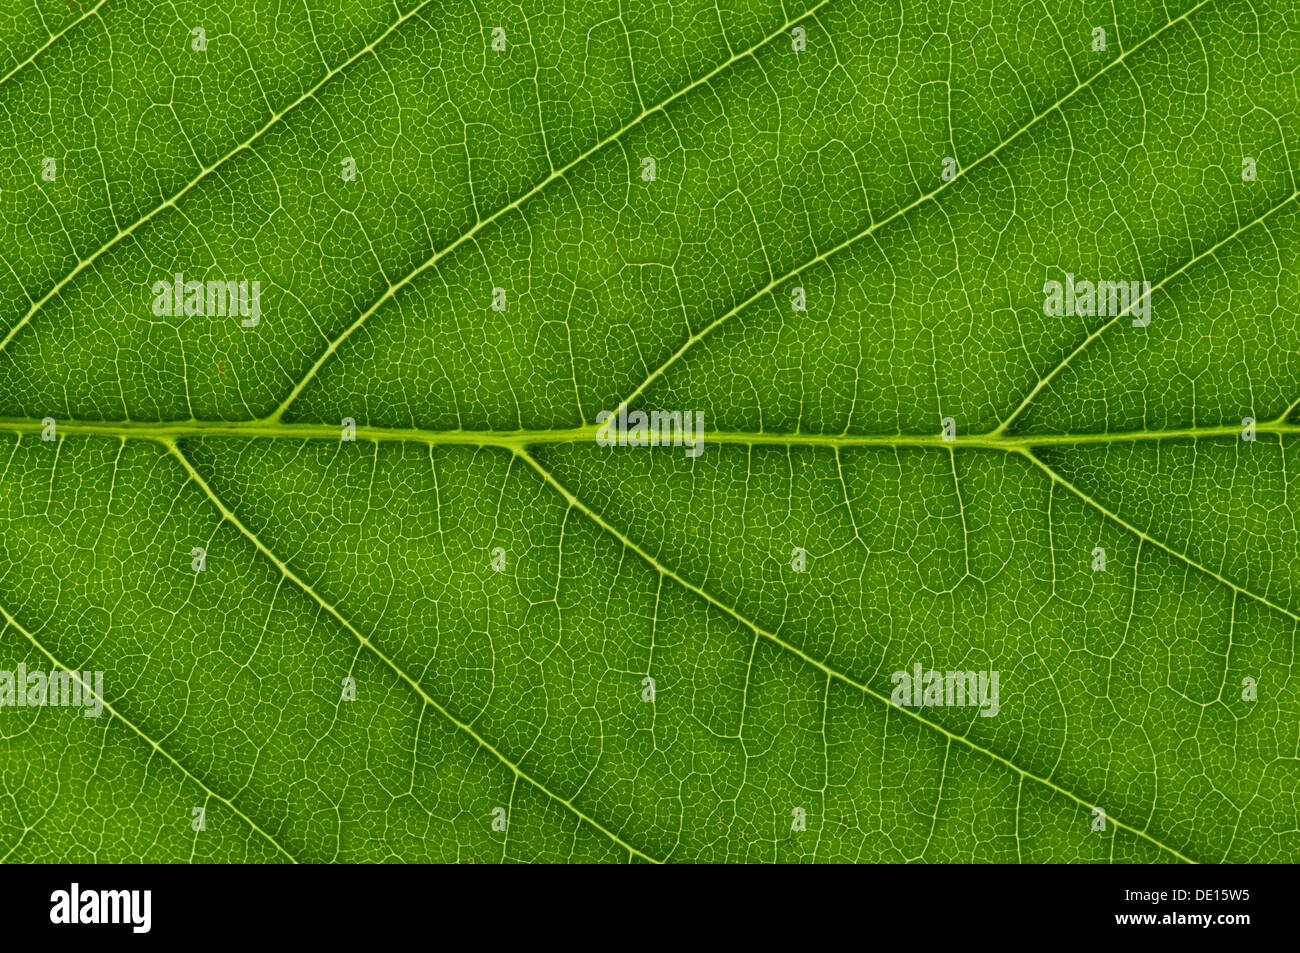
(496, 584)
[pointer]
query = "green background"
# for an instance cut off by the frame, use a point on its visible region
(521, 689)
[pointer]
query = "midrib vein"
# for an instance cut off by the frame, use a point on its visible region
(166, 431)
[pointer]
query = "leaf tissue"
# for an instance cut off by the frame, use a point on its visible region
(670, 432)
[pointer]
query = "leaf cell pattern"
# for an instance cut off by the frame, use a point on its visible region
(460, 250)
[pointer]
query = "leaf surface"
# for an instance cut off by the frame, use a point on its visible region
(515, 691)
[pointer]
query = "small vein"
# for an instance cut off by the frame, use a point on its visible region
(1146, 537)
(54, 38)
(482, 223)
(871, 229)
(152, 744)
(171, 202)
(758, 630)
(306, 587)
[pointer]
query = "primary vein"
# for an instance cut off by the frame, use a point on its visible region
(166, 431)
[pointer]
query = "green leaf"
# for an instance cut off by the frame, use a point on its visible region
(496, 585)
